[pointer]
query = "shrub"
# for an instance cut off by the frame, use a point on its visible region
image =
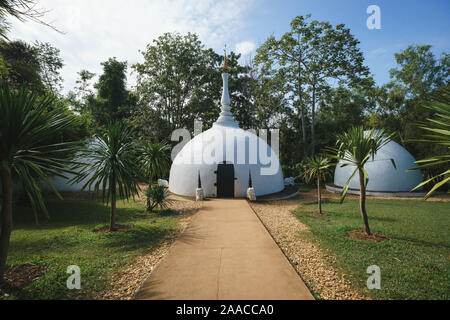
(157, 196)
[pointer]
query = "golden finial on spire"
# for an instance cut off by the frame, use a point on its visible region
(224, 66)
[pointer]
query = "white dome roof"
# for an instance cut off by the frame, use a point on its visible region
(226, 143)
(382, 174)
(246, 151)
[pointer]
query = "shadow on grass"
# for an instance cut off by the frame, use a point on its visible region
(135, 238)
(70, 213)
(423, 243)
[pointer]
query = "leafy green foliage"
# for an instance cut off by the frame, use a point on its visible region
(112, 102)
(111, 166)
(318, 168)
(67, 239)
(414, 262)
(417, 77)
(355, 148)
(154, 159)
(306, 58)
(22, 65)
(438, 132)
(32, 147)
(35, 66)
(157, 196)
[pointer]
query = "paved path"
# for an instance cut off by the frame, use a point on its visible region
(224, 253)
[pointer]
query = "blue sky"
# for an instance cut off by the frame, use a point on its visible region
(98, 29)
(402, 23)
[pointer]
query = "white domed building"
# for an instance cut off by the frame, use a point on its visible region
(384, 178)
(226, 160)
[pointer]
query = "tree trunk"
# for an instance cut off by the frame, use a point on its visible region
(300, 99)
(319, 195)
(7, 193)
(313, 119)
(112, 224)
(362, 201)
(148, 200)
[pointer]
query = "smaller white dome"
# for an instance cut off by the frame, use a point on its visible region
(382, 174)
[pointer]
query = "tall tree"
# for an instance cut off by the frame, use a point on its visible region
(419, 72)
(354, 148)
(50, 63)
(23, 68)
(36, 66)
(310, 55)
(31, 150)
(172, 77)
(179, 81)
(113, 101)
(81, 95)
(416, 77)
(112, 167)
(318, 168)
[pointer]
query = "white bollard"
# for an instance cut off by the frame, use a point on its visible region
(199, 194)
(164, 183)
(251, 194)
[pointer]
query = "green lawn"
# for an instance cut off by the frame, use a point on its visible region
(67, 239)
(414, 263)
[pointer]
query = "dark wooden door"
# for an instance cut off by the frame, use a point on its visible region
(225, 180)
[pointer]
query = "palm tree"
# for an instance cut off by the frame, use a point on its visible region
(111, 167)
(154, 160)
(317, 167)
(30, 152)
(439, 134)
(355, 148)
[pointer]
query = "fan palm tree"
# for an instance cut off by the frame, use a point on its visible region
(111, 167)
(317, 167)
(154, 159)
(438, 133)
(29, 127)
(355, 148)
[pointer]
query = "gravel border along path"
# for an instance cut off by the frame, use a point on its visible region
(124, 284)
(313, 265)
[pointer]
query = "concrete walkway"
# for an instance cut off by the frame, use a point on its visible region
(224, 253)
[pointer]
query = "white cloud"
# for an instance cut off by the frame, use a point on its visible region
(245, 47)
(98, 29)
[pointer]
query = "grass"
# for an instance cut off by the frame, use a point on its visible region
(414, 263)
(67, 239)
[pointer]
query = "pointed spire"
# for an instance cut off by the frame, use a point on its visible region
(226, 117)
(225, 66)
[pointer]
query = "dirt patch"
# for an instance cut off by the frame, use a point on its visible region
(118, 228)
(124, 284)
(314, 265)
(20, 276)
(362, 235)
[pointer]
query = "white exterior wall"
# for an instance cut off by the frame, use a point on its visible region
(382, 174)
(184, 173)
